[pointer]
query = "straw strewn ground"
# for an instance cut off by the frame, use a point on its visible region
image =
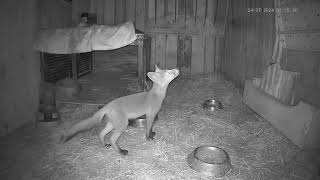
(257, 150)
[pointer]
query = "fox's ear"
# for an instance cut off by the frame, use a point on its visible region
(152, 76)
(156, 68)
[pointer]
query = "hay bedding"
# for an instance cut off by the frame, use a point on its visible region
(256, 149)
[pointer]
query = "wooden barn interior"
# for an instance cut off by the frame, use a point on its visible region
(266, 53)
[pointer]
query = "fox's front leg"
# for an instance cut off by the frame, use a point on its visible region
(149, 134)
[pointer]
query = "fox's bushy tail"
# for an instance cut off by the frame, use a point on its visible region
(83, 125)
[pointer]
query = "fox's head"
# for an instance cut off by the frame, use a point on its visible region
(163, 77)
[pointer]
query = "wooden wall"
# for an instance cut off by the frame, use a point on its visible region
(185, 33)
(55, 14)
(249, 41)
(19, 65)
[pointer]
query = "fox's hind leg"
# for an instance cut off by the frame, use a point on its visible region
(104, 132)
(119, 127)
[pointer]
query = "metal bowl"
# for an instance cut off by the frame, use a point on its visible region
(212, 105)
(140, 122)
(210, 161)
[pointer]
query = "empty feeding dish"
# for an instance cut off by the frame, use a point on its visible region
(140, 122)
(210, 161)
(212, 105)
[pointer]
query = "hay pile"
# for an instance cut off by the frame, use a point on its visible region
(256, 149)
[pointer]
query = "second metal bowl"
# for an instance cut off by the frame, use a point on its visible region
(210, 161)
(212, 105)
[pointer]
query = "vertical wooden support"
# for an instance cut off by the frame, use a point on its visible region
(161, 51)
(197, 57)
(170, 9)
(171, 51)
(151, 18)
(140, 14)
(189, 21)
(181, 13)
(160, 19)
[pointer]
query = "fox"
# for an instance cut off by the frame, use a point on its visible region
(118, 112)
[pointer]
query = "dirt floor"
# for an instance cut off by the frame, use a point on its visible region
(256, 149)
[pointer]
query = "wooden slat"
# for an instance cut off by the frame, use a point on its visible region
(140, 14)
(210, 38)
(250, 42)
(197, 59)
(171, 11)
(130, 10)
(201, 13)
(181, 12)
(218, 55)
(109, 12)
(180, 51)
(161, 50)
(171, 51)
(120, 11)
(188, 52)
(153, 53)
(184, 54)
(172, 30)
(100, 11)
(160, 19)
(189, 13)
(209, 54)
(151, 12)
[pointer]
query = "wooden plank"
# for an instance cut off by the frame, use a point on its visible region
(184, 54)
(161, 51)
(210, 38)
(259, 44)
(235, 43)
(188, 53)
(140, 14)
(201, 13)
(151, 17)
(153, 53)
(189, 13)
(181, 12)
(197, 59)
(160, 18)
(172, 30)
(290, 120)
(130, 10)
(211, 11)
(243, 45)
(209, 55)
(171, 51)
(100, 11)
(180, 51)
(218, 55)
(140, 66)
(250, 43)
(170, 11)
(120, 11)
(109, 12)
